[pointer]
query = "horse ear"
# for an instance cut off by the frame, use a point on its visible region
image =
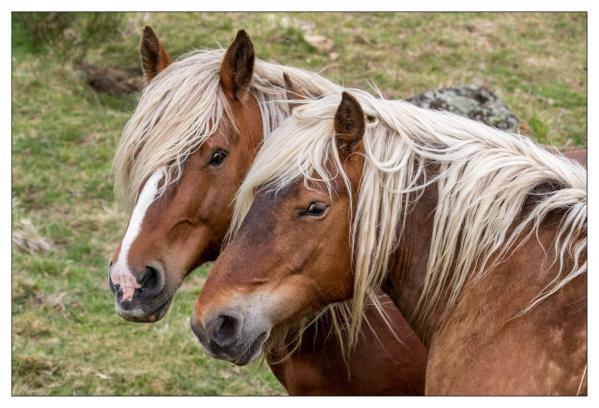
(238, 66)
(349, 123)
(154, 57)
(292, 92)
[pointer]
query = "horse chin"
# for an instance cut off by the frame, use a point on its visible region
(253, 351)
(240, 355)
(140, 316)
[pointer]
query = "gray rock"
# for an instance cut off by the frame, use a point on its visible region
(474, 102)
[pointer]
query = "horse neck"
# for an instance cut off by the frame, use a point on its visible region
(407, 264)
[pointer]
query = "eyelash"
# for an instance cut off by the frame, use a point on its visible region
(307, 211)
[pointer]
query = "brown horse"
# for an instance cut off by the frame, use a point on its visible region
(182, 156)
(477, 234)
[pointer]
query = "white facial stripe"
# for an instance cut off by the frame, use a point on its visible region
(146, 198)
(121, 273)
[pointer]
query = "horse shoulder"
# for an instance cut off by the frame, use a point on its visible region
(484, 347)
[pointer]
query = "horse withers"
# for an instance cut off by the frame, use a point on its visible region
(182, 156)
(478, 235)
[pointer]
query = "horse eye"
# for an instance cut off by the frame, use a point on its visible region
(316, 209)
(218, 157)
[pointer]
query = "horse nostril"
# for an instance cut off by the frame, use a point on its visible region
(114, 287)
(198, 331)
(119, 293)
(224, 329)
(151, 281)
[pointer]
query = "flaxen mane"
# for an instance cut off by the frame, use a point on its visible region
(184, 105)
(484, 178)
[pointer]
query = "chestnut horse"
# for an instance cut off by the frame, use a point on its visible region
(478, 235)
(182, 156)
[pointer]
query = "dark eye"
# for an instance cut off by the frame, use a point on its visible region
(218, 157)
(316, 209)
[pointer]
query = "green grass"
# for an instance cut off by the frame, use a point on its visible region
(66, 337)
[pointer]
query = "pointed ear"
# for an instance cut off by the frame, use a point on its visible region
(349, 123)
(238, 66)
(292, 92)
(154, 58)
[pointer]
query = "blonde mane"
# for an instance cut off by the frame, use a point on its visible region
(184, 105)
(484, 177)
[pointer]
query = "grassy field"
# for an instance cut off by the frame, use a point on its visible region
(66, 338)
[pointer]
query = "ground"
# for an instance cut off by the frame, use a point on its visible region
(66, 338)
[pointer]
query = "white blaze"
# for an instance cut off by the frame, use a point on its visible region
(120, 272)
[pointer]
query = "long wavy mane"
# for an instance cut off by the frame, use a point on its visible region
(181, 108)
(483, 177)
(184, 105)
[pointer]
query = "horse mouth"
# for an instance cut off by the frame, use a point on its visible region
(155, 315)
(252, 351)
